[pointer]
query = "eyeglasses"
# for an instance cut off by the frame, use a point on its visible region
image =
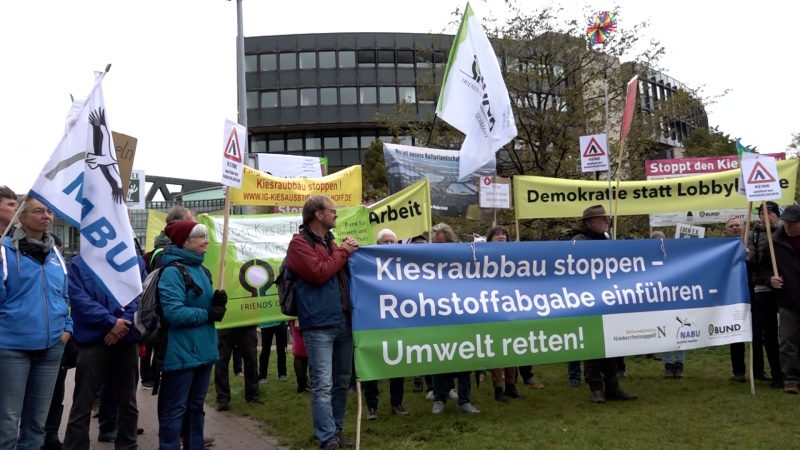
(331, 210)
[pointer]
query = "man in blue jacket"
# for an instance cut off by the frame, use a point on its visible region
(107, 345)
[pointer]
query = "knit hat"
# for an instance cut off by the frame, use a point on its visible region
(178, 231)
(771, 207)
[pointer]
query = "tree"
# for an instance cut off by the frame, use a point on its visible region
(557, 84)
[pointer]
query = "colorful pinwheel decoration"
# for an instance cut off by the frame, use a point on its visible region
(601, 27)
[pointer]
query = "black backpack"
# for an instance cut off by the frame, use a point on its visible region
(286, 294)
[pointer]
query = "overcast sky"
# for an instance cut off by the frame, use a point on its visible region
(173, 80)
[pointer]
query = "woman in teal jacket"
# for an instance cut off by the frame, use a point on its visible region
(34, 326)
(190, 313)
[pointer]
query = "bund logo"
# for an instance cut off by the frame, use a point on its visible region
(723, 329)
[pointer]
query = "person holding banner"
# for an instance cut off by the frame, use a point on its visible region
(601, 374)
(734, 229)
(34, 326)
(323, 307)
(504, 380)
(396, 388)
(443, 233)
(786, 283)
(763, 301)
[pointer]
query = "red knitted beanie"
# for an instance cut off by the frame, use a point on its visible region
(178, 231)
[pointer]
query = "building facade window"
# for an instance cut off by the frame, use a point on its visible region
(388, 95)
(250, 63)
(385, 58)
(347, 59)
(294, 142)
(251, 97)
(327, 96)
(366, 58)
(405, 58)
(268, 61)
(308, 97)
(331, 143)
(407, 94)
(288, 98)
(327, 60)
(269, 99)
(350, 140)
(288, 61)
(367, 95)
(308, 60)
(348, 96)
(277, 144)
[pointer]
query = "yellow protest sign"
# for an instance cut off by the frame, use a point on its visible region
(407, 212)
(542, 197)
(156, 221)
(260, 188)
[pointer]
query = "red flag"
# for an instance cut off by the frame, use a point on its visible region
(630, 103)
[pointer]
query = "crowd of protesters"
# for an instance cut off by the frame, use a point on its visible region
(48, 305)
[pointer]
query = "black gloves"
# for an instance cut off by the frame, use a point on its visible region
(220, 298)
(217, 310)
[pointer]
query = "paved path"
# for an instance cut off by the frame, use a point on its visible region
(231, 432)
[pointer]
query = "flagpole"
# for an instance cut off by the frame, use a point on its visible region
(224, 244)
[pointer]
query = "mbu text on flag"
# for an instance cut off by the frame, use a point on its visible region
(474, 98)
(82, 183)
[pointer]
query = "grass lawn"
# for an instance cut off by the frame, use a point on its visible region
(704, 410)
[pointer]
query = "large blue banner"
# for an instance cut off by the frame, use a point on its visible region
(571, 300)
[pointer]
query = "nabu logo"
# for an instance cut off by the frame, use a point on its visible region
(485, 103)
(686, 330)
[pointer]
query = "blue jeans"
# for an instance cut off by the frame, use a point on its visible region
(180, 408)
(574, 370)
(28, 379)
(677, 356)
(330, 358)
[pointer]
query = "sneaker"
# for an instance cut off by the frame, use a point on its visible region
(763, 377)
(262, 381)
(208, 441)
(343, 441)
(739, 378)
(147, 386)
(669, 370)
(106, 437)
(255, 401)
(333, 445)
(677, 371)
(372, 414)
(533, 383)
(139, 431)
(438, 407)
(453, 394)
(399, 411)
(790, 388)
(429, 395)
(598, 397)
(282, 378)
(776, 384)
(223, 407)
(469, 408)
(574, 383)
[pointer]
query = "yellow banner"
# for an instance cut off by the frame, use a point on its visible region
(156, 221)
(407, 212)
(541, 197)
(260, 188)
